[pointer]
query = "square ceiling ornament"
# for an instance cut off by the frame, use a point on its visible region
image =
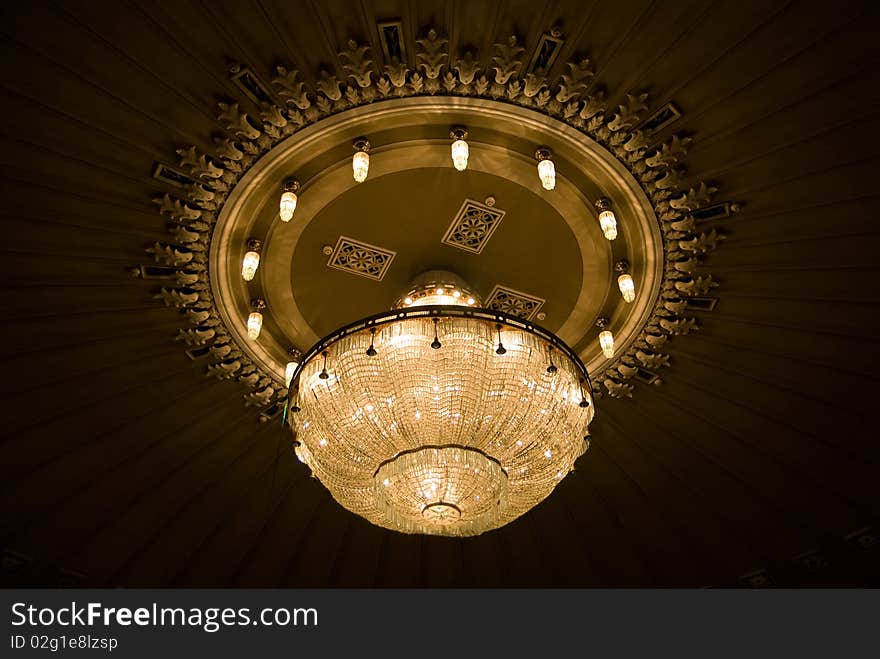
(362, 259)
(513, 302)
(473, 225)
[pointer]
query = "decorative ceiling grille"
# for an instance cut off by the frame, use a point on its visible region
(515, 303)
(473, 226)
(361, 259)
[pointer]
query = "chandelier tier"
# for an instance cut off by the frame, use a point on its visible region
(440, 419)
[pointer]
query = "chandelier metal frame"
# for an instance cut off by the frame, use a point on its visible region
(436, 311)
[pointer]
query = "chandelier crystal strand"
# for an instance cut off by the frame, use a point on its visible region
(460, 149)
(546, 168)
(251, 260)
(287, 205)
(455, 440)
(360, 161)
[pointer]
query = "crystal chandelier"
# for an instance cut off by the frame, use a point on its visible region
(440, 417)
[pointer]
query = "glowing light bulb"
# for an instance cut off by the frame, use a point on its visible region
(287, 206)
(627, 287)
(608, 224)
(439, 291)
(254, 325)
(546, 168)
(606, 341)
(289, 370)
(460, 154)
(456, 294)
(249, 265)
(547, 174)
(360, 166)
(407, 300)
(471, 301)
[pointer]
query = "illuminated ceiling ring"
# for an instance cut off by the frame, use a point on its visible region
(201, 181)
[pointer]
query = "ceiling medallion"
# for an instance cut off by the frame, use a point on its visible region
(440, 417)
(472, 226)
(515, 303)
(202, 181)
(359, 258)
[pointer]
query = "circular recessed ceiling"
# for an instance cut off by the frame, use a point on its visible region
(530, 248)
(540, 250)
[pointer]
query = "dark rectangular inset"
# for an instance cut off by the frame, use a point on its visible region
(701, 303)
(713, 212)
(391, 37)
(666, 115)
(172, 176)
(646, 376)
(545, 55)
(251, 85)
(198, 353)
(156, 272)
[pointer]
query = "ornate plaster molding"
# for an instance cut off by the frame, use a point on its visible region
(204, 180)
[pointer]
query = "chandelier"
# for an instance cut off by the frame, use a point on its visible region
(245, 234)
(440, 416)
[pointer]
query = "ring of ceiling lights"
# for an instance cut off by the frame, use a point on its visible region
(582, 166)
(262, 118)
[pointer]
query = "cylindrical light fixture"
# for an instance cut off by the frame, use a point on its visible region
(606, 338)
(251, 260)
(459, 147)
(625, 281)
(607, 221)
(255, 319)
(360, 161)
(546, 168)
(288, 199)
(290, 367)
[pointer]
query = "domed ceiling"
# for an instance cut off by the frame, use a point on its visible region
(144, 443)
